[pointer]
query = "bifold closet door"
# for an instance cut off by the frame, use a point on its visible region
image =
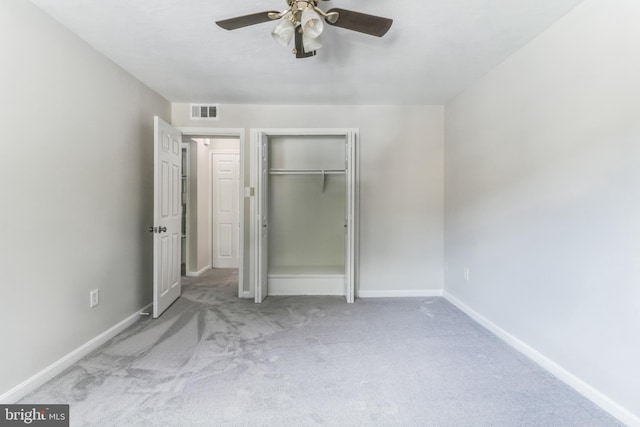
(350, 222)
(262, 282)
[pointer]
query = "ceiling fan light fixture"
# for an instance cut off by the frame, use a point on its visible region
(303, 21)
(284, 31)
(311, 43)
(312, 23)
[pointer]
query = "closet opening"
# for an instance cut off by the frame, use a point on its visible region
(307, 204)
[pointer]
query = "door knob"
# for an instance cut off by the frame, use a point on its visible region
(163, 229)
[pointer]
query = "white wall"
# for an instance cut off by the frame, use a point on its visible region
(543, 198)
(401, 182)
(228, 144)
(76, 184)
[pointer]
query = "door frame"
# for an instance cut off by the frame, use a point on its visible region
(352, 136)
(187, 173)
(240, 134)
(212, 154)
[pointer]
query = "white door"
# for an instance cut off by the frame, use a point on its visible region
(225, 210)
(350, 223)
(262, 279)
(167, 215)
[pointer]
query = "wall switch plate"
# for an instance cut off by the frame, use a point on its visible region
(466, 273)
(94, 298)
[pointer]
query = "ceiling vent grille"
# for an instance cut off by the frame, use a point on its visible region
(204, 111)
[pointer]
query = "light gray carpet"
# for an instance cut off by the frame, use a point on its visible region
(213, 359)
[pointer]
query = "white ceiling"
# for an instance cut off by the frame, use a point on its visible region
(434, 49)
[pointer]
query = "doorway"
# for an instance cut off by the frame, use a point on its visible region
(212, 206)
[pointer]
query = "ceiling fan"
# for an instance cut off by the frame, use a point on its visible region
(304, 21)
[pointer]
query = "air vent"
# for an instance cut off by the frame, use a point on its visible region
(204, 111)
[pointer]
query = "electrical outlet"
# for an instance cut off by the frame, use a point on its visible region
(94, 298)
(466, 273)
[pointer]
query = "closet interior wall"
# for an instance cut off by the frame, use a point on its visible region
(307, 211)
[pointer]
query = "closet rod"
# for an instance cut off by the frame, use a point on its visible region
(306, 171)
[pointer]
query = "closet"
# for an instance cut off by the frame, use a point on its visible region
(306, 212)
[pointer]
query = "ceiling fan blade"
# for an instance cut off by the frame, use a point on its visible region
(246, 20)
(361, 22)
(300, 53)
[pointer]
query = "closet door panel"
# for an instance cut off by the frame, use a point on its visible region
(262, 282)
(350, 217)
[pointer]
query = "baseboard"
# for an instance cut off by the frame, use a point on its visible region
(198, 273)
(399, 294)
(225, 263)
(588, 391)
(306, 285)
(57, 367)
